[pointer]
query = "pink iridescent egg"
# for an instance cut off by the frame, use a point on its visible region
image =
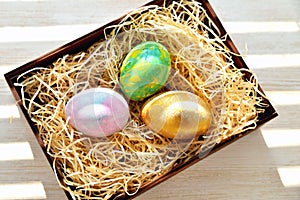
(97, 112)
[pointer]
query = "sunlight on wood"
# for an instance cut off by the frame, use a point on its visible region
(16, 151)
(284, 97)
(4, 69)
(28, 190)
(276, 138)
(259, 27)
(9, 111)
(290, 176)
(273, 60)
(44, 33)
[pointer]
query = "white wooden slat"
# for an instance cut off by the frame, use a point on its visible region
(247, 169)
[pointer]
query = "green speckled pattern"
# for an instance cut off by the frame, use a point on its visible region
(145, 70)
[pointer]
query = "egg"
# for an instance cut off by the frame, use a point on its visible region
(177, 114)
(97, 112)
(145, 70)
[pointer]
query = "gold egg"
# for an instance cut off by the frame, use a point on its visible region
(177, 114)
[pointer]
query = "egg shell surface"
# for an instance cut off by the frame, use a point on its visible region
(179, 114)
(145, 70)
(97, 112)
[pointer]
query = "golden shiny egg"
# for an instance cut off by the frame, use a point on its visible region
(177, 114)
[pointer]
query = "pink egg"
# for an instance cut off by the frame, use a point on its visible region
(97, 112)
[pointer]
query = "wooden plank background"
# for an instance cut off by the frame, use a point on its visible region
(263, 165)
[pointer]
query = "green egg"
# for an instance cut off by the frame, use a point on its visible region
(145, 70)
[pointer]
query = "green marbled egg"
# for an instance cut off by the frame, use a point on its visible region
(145, 70)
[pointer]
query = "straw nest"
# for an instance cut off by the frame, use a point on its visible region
(105, 168)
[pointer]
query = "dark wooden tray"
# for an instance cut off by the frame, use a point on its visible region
(86, 41)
